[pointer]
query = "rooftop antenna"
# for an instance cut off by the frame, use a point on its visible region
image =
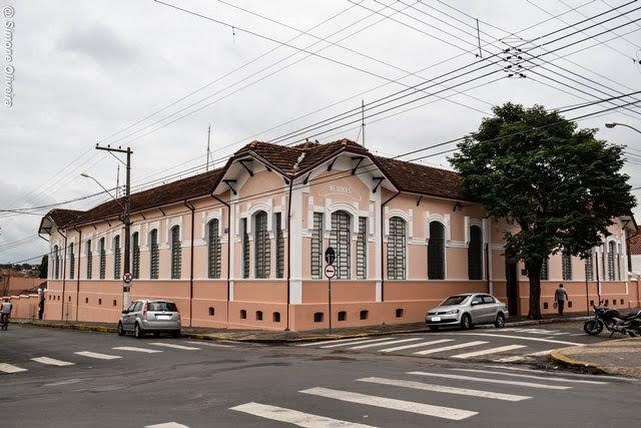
(117, 181)
(363, 121)
(208, 149)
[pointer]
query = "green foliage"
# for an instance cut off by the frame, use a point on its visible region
(560, 186)
(44, 267)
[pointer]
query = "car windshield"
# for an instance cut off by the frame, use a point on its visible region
(162, 306)
(454, 300)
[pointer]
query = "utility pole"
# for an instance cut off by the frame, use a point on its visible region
(126, 288)
(118, 181)
(208, 151)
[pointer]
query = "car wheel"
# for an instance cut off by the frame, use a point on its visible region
(156, 334)
(433, 328)
(138, 333)
(176, 333)
(466, 322)
(121, 330)
(500, 320)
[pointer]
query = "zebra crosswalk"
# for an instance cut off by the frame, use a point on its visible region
(403, 398)
(115, 353)
(505, 345)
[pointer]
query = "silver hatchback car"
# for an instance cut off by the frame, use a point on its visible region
(466, 310)
(150, 316)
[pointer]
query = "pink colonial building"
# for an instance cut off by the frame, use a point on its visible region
(242, 246)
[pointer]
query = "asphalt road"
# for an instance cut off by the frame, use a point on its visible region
(81, 382)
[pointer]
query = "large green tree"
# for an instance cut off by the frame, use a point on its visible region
(44, 266)
(557, 186)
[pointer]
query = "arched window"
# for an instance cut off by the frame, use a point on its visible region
(316, 257)
(340, 240)
(361, 249)
(89, 260)
(436, 251)
(154, 256)
(545, 270)
(56, 262)
(396, 248)
(213, 249)
(116, 244)
(135, 255)
(72, 262)
(566, 266)
(245, 245)
(280, 247)
(612, 254)
(589, 267)
(103, 257)
(176, 253)
(475, 253)
(261, 245)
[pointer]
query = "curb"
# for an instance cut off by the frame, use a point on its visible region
(267, 340)
(566, 361)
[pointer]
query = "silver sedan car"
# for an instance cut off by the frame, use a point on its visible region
(150, 316)
(466, 310)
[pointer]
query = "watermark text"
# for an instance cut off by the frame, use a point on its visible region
(8, 69)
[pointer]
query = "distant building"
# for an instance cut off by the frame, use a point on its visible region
(242, 246)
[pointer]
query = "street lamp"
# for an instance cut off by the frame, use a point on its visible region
(85, 175)
(127, 222)
(613, 124)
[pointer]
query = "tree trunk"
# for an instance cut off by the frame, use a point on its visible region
(534, 275)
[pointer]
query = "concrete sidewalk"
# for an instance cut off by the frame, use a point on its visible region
(270, 336)
(617, 357)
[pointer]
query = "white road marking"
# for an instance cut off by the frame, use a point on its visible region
(357, 342)
(540, 353)
(135, 349)
(445, 389)
(498, 381)
(52, 361)
(97, 355)
(64, 382)
(390, 403)
(511, 359)
(489, 351)
(535, 339)
(549, 379)
(174, 346)
(551, 373)
(10, 368)
(392, 342)
(293, 417)
(416, 345)
(449, 348)
(167, 425)
(213, 345)
(325, 342)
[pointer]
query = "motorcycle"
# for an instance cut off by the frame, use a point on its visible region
(613, 321)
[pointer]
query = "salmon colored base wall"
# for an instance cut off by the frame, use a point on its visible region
(262, 304)
(24, 306)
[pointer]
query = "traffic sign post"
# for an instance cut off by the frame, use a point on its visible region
(330, 272)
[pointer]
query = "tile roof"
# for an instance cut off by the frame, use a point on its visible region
(291, 161)
(635, 243)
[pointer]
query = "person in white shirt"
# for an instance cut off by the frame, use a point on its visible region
(5, 313)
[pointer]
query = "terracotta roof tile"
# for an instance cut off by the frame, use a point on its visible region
(635, 243)
(292, 161)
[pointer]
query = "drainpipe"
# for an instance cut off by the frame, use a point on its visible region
(64, 275)
(78, 271)
(289, 248)
(191, 262)
(228, 252)
(382, 243)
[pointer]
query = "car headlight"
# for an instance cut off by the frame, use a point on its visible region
(452, 312)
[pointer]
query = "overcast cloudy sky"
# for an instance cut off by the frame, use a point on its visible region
(88, 71)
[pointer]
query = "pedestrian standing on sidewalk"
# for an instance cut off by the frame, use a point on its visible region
(560, 295)
(5, 313)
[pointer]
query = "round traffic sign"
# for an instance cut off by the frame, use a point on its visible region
(127, 278)
(330, 271)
